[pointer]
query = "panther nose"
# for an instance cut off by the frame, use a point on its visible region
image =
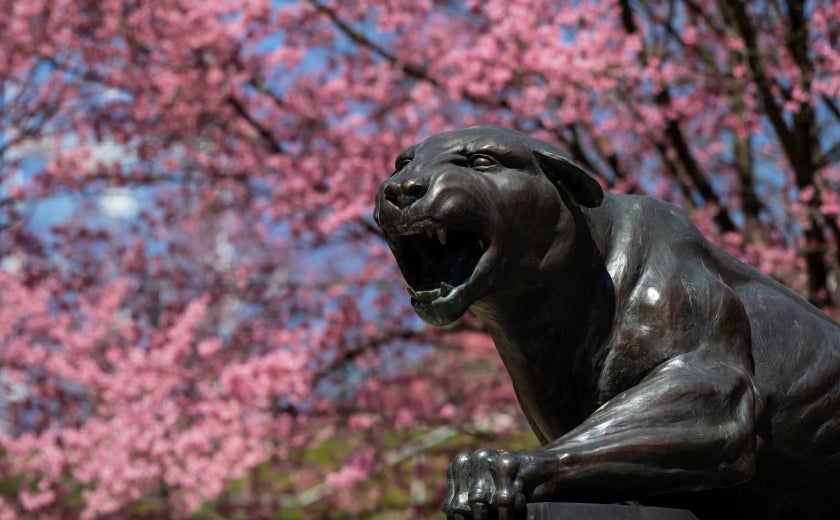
(405, 193)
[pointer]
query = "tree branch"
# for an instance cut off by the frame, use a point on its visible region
(408, 69)
(828, 157)
(692, 169)
(677, 140)
(736, 17)
(805, 143)
(361, 39)
(265, 134)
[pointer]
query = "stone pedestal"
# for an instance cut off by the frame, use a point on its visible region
(572, 511)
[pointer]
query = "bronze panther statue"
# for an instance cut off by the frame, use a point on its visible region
(652, 365)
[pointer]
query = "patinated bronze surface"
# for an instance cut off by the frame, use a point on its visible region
(652, 365)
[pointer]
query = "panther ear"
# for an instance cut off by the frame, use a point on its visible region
(569, 177)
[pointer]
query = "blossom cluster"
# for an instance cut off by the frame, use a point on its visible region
(215, 297)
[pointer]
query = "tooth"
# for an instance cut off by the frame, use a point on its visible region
(427, 296)
(445, 289)
(441, 234)
(429, 233)
(481, 244)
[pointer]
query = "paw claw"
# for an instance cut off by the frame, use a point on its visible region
(486, 484)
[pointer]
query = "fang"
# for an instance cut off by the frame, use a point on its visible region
(441, 234)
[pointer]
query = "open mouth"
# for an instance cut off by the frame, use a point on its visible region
(436, 259)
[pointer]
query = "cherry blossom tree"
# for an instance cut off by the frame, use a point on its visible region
(191, 286)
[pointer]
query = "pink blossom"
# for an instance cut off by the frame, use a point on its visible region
(248, 314)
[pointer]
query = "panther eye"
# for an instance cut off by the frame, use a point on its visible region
(401, 163)
(482, 161)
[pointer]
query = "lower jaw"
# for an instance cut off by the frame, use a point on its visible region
(431, 295)
(440, 311)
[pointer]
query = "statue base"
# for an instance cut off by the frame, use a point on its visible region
(572, 511)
